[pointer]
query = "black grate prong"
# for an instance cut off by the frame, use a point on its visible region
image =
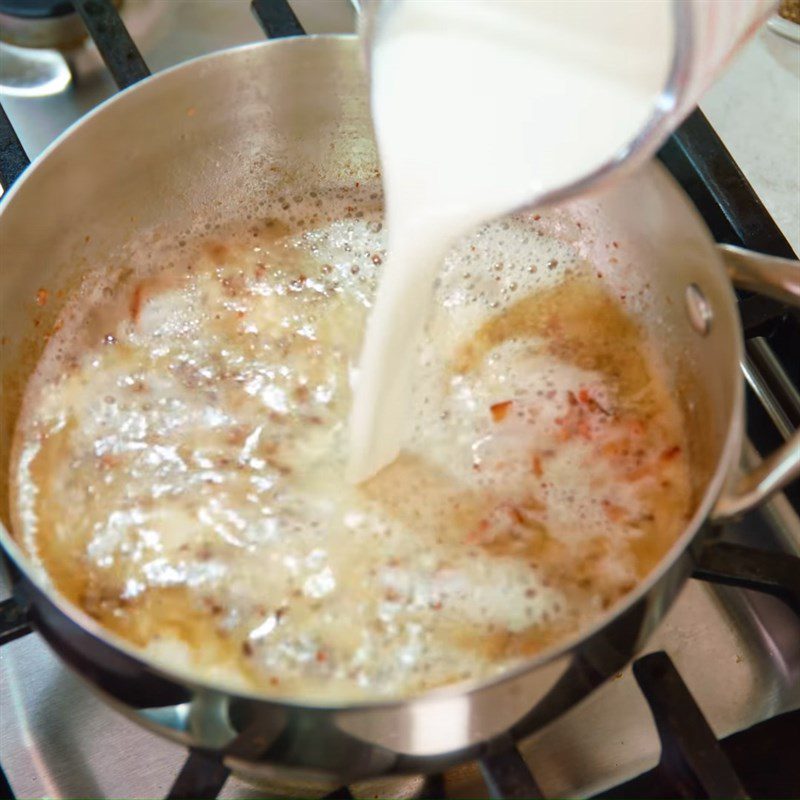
(731, 564)
(202, 776)
(700, 162)
(13, 158)
(507, 775)
(277, 18)
(121, 56)
(433, 788)
(342, 793)
(13, 621)
(690, 753)
(6, 792)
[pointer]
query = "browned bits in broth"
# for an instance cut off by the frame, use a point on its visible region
(178, 467)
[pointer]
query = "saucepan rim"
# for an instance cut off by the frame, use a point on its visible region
(726, 462)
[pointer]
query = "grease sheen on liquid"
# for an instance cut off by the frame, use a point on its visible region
(179, 462)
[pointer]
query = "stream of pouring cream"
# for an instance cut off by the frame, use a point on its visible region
(480, 107)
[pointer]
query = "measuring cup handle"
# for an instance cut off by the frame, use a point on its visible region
(778, 278)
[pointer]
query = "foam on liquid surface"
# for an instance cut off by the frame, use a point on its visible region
(179, 467)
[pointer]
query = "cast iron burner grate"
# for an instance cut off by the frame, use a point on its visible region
(693, 762)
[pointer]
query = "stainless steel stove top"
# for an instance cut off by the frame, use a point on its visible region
(738, 651)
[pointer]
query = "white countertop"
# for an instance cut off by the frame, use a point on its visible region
(755, 109)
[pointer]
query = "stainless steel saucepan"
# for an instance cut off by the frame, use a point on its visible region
(198, 141)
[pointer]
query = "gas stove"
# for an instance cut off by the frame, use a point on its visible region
(712, 708)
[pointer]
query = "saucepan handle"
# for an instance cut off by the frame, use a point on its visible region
(774, 277)
(778, 278)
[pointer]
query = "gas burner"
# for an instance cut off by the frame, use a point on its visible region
(45, 45)
(41, 24)
(33, 36)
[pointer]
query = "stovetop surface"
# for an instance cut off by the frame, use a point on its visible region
(738, 651)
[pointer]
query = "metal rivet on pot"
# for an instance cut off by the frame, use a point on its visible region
(699, 309)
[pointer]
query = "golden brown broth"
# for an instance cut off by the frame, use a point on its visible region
(179, 469)
(588, 328)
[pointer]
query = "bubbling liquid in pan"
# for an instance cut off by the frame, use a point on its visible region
(179, 461)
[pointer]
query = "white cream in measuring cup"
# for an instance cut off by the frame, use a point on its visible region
(483, 106)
